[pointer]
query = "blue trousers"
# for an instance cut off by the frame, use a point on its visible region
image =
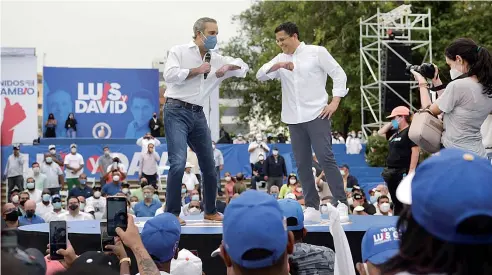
(188, 127)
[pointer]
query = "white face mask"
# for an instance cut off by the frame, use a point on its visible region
(292, 181)
(53, 151)
(384, 207)
(213, 146)
(350, 201)
(82, 206)
(342, 172)
(133, 203)
(303, 208)
(15, 199)
(299, 189)
(194, 211)
(275, 152)
(97, 194)
(125, 190)
(116, 178)
(228, 179)
(261, 158)
(324, 209)
(35, 170)
(74, 150)
(30, 185)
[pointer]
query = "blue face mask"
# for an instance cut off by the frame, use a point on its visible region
(373, 199)
(46, 197)
(274, 195)
(210, 42)
(57, 205)
(82, 182)
(394, 123)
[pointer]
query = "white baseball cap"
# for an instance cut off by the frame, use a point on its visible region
(186, 264)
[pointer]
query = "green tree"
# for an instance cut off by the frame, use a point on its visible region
(335, 25)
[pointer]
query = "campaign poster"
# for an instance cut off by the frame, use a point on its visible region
(106, 103)
(19, 96)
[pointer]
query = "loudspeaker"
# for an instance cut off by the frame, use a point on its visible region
(393, 69)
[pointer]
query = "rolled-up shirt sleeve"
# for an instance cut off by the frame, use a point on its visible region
(173, 73)
(264, 75)
(227, 60)
(335, 71)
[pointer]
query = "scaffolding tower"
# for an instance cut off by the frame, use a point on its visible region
(377, 34)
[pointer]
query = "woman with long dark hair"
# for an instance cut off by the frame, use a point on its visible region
(50, 127)
(447, 227)
(467, 100)
(71, 126)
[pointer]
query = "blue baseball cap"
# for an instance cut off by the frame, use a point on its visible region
(254, 220)
(380, 243)
(292, 209)
(160, 236)
(463, 176)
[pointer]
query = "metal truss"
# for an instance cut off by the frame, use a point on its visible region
(410, 29)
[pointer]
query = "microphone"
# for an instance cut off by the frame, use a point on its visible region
(207, 58)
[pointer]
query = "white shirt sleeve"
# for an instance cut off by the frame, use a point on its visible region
(157, 142)
(173, 73)
(263, 75)
(228, 60)
(333, 69)
(139, 141)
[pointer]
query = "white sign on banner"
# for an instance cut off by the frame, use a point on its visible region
(19, 99)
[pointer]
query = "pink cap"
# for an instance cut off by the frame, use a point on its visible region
(399, 111)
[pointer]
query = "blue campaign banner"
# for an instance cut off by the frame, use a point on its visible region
(107, 103)
(236, 157)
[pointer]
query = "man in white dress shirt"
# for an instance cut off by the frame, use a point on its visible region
(303, 70)
(74, 213)
(190, 80)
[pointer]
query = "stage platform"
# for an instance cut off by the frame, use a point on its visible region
(200, 236)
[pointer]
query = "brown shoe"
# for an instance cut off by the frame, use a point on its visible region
(181, 221)
(215, 218)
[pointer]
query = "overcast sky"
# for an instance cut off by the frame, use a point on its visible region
(116, 34)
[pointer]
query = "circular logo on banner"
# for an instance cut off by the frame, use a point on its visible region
(101, 130)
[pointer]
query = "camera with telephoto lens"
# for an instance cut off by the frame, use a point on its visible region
(427, 70)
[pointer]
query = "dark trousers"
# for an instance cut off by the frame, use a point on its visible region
(316, 134)
(15, 181)
(393, 177)
(277, 181)
(188, 126)
(151, 179)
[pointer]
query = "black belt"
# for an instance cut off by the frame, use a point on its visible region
(189, 106)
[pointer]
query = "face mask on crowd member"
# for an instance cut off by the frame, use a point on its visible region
(148, 193)
(275, 152)
(227, 177)
(183, 189)
(73, 148)
(194, 208)
(116, 177)
(261, 158)
(30, 184)
(23, 198)
(106, 151)
(73, 204)
(195, 196)
(48, 159)
(35, 168)
(259, 138)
